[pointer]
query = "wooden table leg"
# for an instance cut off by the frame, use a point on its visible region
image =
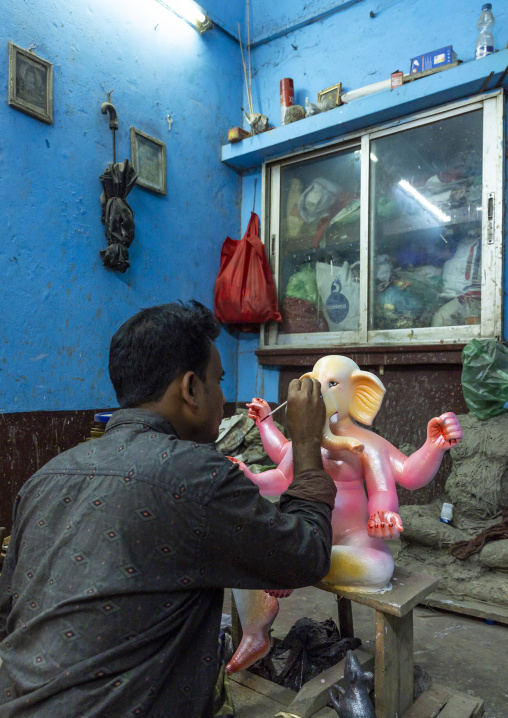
(345, 617)
(394, 664)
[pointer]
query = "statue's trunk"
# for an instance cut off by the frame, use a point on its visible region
(335, 443)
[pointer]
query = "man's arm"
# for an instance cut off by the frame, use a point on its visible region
(253, 544)
(5, 597)
(250, 543)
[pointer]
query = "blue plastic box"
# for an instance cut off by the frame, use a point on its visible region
(436, 58)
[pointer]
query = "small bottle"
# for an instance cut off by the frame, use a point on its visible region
(447, 513)
(485, 25)
(287, 96)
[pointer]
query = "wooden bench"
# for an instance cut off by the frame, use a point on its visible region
(393, 673)
(393, 662)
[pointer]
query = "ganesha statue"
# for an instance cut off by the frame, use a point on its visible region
(365, 468)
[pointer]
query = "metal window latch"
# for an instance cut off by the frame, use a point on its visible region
(272, 252)
(490, 218)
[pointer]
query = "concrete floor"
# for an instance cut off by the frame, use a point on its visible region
(464, 654)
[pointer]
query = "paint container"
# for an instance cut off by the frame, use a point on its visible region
(447, 513)
(396, 79)
(287, 96)
(99, 424)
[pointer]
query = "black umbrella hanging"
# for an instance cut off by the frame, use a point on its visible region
(117, 215)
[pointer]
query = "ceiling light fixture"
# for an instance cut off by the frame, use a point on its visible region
(189, 11)
(441, 216)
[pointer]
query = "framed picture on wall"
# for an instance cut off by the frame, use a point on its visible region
(30, 84)
(330, 97)
(149, 161)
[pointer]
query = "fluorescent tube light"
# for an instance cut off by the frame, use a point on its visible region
(189, 11)
(441, 216)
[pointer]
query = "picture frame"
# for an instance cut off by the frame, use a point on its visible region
(30, 84)
(149, 161)
(331, 96)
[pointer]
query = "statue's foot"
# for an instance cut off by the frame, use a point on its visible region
(255, 642)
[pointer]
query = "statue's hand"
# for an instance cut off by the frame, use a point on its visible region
(258, 409)
(384, 525)
(444, 431)
(281, 593)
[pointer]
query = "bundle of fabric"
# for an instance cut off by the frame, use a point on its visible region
(464, 549)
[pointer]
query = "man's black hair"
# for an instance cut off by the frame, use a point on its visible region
(157, 345)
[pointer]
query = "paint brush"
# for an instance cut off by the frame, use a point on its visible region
(273, 412)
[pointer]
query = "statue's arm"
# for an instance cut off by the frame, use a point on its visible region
(417, 470)
(383, 504)
(274, 481)
(274, 441)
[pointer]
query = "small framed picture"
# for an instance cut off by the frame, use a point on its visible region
(149, 161)
(331, 96)
(30, 84)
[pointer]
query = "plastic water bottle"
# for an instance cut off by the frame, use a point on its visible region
(485, 24)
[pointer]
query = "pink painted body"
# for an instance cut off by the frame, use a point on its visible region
(366, 472)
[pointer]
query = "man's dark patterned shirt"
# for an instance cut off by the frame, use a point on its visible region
(111, 593)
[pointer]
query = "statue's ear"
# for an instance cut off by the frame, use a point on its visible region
(367, 397)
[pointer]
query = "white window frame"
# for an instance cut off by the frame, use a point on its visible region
(492, 232)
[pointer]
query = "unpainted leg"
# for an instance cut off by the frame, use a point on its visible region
(257, 611)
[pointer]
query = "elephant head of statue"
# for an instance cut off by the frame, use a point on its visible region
(347, 392)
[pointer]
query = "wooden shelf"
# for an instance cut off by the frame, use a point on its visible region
(432, 90)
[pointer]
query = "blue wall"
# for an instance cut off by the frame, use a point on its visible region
(60, 306)
(346, 45)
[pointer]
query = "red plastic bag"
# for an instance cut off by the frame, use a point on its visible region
(244, 288)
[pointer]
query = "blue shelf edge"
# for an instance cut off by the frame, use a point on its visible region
(447, 86)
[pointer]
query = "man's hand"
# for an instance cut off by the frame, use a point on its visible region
(384, 525)
(239, 463)
(258, 409)
(444, 431)
(306, 418)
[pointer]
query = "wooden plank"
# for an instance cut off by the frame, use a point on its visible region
(314, 694)
(249, 703)
(394, 664)
(429, 703)
(346, 629)
(408, 589)
(325, 713)
(463, 702)
(283, 696)
(469, 607)
(426, 73)
(460, 705)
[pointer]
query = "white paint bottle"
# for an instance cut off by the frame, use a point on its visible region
(447, 513)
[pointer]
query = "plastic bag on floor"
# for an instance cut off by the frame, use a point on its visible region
(309, 648)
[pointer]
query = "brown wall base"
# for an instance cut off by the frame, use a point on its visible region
(30, 439)
(414, 394)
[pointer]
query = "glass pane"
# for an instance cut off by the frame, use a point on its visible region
(425, 209)
(319, 277)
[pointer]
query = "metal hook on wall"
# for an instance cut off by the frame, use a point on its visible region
(107, 107)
